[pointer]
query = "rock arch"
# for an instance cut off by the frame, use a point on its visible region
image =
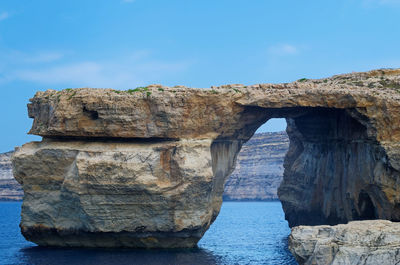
(146, 167)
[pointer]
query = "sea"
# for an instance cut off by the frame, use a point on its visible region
(244, 233)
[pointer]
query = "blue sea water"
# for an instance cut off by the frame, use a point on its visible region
(244, 233)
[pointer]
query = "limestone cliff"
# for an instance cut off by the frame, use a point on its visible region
(259, 168)
(115, 194)
(5, 165)
(10, 189)
(146, 167)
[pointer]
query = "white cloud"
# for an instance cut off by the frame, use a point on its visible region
(128, 71)
(4, 15)
(83, 72)
(283, 49)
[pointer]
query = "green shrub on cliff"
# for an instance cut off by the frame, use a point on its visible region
(214, 91)
(389, 84)
(141, 89)
(138, 89)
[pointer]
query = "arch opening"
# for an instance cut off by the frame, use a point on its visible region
(332, 158)
(259, 165)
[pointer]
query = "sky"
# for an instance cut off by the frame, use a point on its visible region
(47, 44)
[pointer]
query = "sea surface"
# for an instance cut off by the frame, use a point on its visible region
(244, 233)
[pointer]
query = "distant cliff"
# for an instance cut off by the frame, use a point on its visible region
(5, 165)
(259, 168)
(10, 190)
(257, 175)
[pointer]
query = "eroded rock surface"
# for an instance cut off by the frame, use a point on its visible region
(343, 162)
(116, 194)
(358, 242)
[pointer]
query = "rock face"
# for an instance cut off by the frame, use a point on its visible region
(116, 194)
(147, 167)
(259, 168)
(358, 242)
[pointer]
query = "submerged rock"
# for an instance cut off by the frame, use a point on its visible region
(147, 167)
(358, 242)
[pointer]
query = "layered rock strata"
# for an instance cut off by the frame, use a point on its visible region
(158, 157)
(116, 194)
(358, 242)
(259, 168)
(10, 190)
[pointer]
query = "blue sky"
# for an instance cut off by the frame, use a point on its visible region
(125, 44)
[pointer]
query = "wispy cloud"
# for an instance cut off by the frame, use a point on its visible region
(37, 57)
(389, 1)
(94, 74)
(14, 58)
(45, 57)
(137, 68)
(381, 2)
(4, 15)
(283, 49)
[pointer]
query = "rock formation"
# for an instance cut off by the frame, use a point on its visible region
(258, 172)
(146, 167)
(358, 242)
(259, 168)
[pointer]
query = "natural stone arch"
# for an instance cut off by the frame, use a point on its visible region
(146, 167)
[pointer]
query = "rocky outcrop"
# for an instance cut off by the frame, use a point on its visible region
(358, 242)
(259, 168)
(118, 194)
(147, 167)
